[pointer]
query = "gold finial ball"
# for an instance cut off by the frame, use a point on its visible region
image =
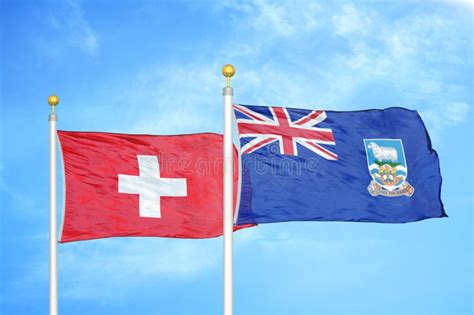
(228, 70)
(53, 100)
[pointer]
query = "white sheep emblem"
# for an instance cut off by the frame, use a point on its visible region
(383, 153)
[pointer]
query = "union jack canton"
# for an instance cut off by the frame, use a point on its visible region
(267, 124)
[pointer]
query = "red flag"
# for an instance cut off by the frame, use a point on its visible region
(142, 185)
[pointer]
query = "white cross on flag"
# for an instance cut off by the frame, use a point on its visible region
(150, 186)
(142, 185)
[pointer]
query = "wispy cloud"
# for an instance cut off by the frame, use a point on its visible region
(10, 195)
(393, 57)
(351, 21)
(176, 98)
(105, 270)
(443, 116)
(69, 30)
(409, 58)
(283, 18)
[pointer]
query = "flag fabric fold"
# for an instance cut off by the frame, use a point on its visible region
(314, 165)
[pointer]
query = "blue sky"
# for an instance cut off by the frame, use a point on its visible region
(154, 67)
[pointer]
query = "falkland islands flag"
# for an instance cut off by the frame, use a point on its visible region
(142, 185)
(314, 165)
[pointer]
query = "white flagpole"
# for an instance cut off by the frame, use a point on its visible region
(53, 100)
(228, 71)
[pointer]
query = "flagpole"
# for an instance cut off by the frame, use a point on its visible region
(228, 71)
(53, 100)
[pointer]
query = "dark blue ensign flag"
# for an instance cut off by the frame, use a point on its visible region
(313, 165)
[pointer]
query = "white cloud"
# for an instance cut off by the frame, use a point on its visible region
(176, 99)
(441, 116)
(429, 37)
(373, 49)
(384, 53)
(81, 34)
(457, 112)
(71, 30)
(351, 21)
(108, 269)
(284, 18)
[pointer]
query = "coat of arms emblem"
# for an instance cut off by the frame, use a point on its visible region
(388, 168)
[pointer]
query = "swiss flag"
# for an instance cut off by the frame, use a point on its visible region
(142, 185)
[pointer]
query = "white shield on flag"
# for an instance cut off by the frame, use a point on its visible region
(387, 167)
